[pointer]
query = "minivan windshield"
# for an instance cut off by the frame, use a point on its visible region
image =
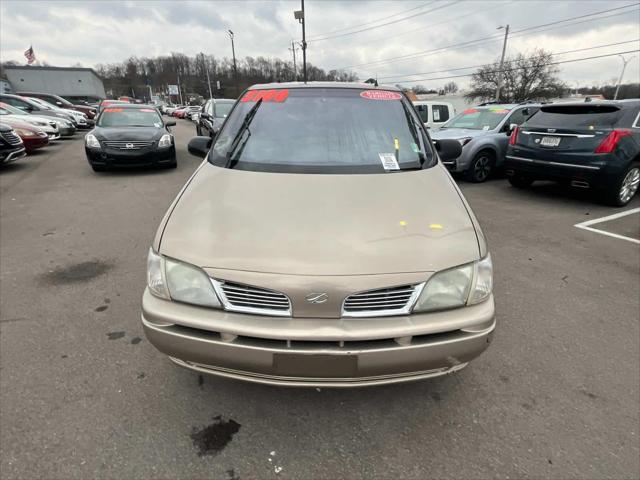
(129, 117)
(478, 118)
(322, 130)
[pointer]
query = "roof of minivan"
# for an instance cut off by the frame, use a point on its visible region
(354, 85)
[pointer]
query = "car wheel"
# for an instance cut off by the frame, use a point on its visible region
(480, 168)
(519, 180)
(624, 188)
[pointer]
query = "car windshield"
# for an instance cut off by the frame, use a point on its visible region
(221, 110)
(10, 110)
(322, 130)
(478, 118)
(129, 117)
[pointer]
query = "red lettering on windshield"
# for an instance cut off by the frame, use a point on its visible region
(380, 95)
(277, 95)
(113, 110)
(470, 110)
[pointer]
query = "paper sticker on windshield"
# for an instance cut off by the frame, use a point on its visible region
(380, 95)
(276, 95)
(157, 125)
(389, 161)
(486, 127)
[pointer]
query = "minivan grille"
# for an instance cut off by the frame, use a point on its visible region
(246, 298)
(385, 301)
(127, 144)
(11, 138)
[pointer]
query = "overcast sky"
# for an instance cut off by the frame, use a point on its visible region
(66, 33)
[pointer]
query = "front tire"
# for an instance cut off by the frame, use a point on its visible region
(624, 188)
(481, 167)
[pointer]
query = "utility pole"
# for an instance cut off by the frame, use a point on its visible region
(504, 49)
(180, 90)
(299, 15)
(235, 67)
(295, 71)
(206, 69)
(624, 66)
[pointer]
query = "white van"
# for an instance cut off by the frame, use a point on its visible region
(434, 114)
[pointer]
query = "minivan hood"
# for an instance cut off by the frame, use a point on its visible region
(457, 133)
(310, 224)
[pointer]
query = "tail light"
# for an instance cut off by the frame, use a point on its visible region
(513, 139)
(611, 141)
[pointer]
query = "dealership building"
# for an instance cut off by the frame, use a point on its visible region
(74, 84)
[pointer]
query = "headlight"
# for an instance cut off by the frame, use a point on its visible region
(465, 285)
(179, 281)
(24, 133)
(464, 141)
(165, 141)
(92, 141)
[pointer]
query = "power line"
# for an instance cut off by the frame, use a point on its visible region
(491, 37)
(521, 68)
(370, 22)
(392, 77)
(387, 23)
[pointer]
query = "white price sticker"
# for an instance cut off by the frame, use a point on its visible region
(389, 161)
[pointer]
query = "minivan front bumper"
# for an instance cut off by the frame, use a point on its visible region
(318, 352)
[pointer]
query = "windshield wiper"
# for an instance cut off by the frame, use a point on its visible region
(231, 160)
(415, 134)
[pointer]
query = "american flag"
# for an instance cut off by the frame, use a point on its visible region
(31, 57)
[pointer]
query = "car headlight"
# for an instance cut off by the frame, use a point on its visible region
(173, 280)
(24, 133)
(165, 141)
(464, 141)
(465, 285)
(91, 141)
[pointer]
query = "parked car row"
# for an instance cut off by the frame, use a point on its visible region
(585, 145)
(29, 123)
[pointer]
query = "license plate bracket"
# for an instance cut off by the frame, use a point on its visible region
(315, 365)
(550, 141)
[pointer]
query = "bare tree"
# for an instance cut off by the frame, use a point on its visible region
(450, 87)
(524, 77)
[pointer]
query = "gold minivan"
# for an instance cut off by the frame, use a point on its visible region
(320, 243)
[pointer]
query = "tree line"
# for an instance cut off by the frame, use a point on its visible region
(134, 76)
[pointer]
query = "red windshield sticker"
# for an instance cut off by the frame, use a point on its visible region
(113, 110)
(146, 110)
(380, 95)
(277, 96)
(470, 110)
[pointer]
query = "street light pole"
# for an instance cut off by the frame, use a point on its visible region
(624, 66)
(299, 15)
(504, 49)
(206, 69)
(235, 67)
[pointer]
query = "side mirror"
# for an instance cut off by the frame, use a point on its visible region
(199, 146)
(170, 123)
(448, 150)
(205, 115)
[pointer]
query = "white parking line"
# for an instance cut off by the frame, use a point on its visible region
(587, 225)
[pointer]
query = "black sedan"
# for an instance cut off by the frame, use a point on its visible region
(129, 135)
(213, 115)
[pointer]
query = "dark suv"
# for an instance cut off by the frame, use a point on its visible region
(587, 145)
(212, 117)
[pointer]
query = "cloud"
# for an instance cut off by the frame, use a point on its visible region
(67, 32)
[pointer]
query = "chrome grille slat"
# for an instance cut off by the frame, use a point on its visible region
(11, 138)
(380, 302)
(122, 144)
(246, 298)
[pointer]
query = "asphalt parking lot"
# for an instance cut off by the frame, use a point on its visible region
(84, 395)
